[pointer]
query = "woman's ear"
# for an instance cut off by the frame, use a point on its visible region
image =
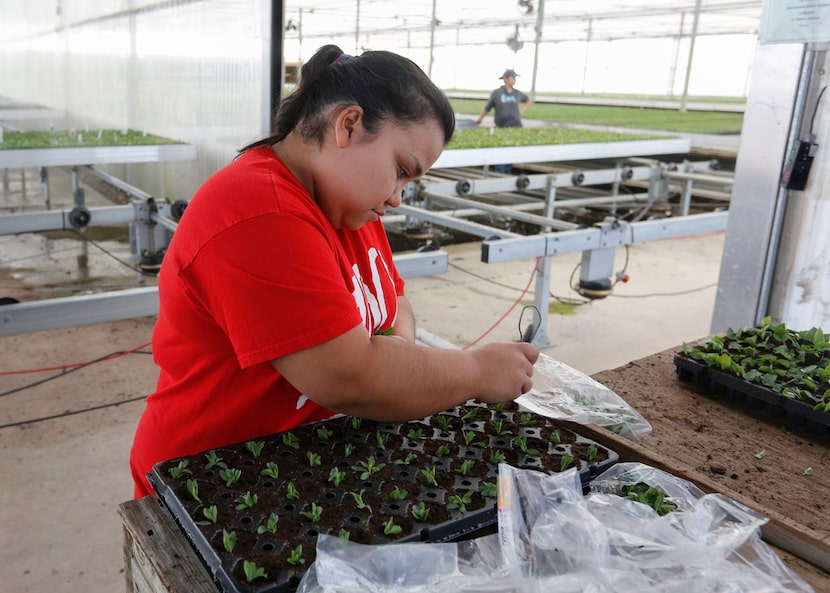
(348, 125)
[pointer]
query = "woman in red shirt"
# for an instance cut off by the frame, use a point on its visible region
(278, 290)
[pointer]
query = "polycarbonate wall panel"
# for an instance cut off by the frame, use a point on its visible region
(194, 70)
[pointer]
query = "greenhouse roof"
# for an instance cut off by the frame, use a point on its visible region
(461, 22)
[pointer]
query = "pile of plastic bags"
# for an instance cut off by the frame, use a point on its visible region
(553, 538)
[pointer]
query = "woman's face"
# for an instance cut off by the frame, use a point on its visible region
(362, 175)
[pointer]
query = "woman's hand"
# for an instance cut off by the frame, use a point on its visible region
(506, 370)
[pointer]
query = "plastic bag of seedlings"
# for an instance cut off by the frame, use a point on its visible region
(556, 539)
(563, 393)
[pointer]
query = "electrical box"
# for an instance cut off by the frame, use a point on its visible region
(799, 163)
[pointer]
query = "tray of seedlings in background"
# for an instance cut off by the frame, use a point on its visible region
(253, 510)
(782, 371)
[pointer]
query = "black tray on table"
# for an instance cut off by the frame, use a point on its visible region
(718, 384)
(471, 432)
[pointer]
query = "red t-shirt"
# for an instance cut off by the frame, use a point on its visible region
(254, 272)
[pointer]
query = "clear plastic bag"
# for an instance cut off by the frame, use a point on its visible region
(552, 538)
(609, 542)
(564, 393)
(473, 566)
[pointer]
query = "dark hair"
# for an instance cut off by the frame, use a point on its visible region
(388, 87)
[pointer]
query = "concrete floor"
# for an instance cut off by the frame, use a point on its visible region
(64, 443)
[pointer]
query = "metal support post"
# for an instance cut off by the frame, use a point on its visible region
(686, 201)
(44, 179)
(541, 298)
(77, 190)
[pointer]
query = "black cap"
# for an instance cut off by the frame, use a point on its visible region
(508, 73)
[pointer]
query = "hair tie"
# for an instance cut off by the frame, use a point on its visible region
(342, 58)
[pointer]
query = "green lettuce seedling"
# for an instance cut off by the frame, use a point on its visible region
(180, 470)
(314, 514)
(255, 447)
(289, 439)
(389, 528)
(296, 556)
(397, 494)
(246, 501)
(651, 496)
(270, 524)
(323, 433)
(420, 512)
(410, 457)
(429, 474)
(229, 540)
(382, 438)
(252, 571)
(416, 434)
(460, 502)
(368, 468)
(466, 466)
(210, 513)
(488, 490)
(272, 470)
(497, 457)
(336, 476)
(213, 460)
(193, 488)
(358, 499)
(230, 475)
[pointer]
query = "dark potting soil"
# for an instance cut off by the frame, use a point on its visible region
(367, 480)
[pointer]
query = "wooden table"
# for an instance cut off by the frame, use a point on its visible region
(160, 559)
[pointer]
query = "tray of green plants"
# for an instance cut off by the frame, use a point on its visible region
(769, 366)
(253, 510)
(79, 138)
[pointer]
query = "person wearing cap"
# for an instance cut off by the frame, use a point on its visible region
(509, 103)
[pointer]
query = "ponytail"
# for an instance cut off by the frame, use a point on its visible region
(387, 86)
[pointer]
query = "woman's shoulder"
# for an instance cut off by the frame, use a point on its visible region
(254, 185)
(256, 180)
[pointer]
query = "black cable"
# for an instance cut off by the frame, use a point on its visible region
(25, 257)
(484, 278)
(562, 300)
(576, 288)
(815, 109)
(565, 301)
(621, 273)
(65, 414)
(68, 371)
(664, 294)
(109, 253)
(529, 334)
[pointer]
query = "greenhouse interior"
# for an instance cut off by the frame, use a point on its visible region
(609, 369)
